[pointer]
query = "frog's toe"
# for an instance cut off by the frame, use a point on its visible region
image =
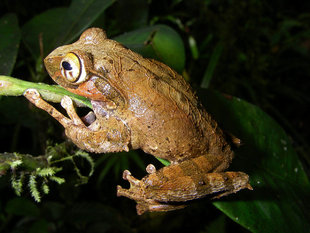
(135, 190)
(66, 102)
(132, 180)
(32, 94)
(34, 97)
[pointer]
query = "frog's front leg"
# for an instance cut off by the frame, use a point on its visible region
(105, 134)
(171, 186)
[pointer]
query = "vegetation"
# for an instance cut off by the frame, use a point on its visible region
(256, 52)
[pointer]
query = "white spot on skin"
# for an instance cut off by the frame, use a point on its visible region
(89, 40)
(296, 169)
(153, 147)
(150, 169)
(136, 105)
(285, 148)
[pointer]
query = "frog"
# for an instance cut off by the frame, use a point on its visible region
(141, 103)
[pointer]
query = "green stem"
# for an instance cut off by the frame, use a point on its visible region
(15, 87)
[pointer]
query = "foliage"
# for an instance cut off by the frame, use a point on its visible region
(41, 169)
(256, 50)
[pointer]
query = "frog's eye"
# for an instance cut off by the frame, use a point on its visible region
(73, 68)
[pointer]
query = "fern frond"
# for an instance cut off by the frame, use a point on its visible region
(14, 164)
(58, 180)
(17, 184)
(33, 188)
(46, 171)
(89, 159)
(45, 188)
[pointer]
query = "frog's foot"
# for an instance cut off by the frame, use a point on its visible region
(171, 187)
(91, 134)
(138, 192)
(66, 102)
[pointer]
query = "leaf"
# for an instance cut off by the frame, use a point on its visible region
(159, 42)
(44, 26)
(79, 16)
(280, 199)
(9, 43)
(214, 59)
(61, 26)
(136, 17)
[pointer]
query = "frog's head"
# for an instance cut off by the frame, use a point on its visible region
(73, 66)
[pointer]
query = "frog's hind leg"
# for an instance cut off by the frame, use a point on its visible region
(162, 190)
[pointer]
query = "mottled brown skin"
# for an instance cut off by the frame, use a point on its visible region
(142, 103)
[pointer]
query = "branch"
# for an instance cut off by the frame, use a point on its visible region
(16, 87)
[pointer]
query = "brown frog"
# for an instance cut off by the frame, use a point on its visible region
(142, 103)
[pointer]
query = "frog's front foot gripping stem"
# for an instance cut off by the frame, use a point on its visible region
(34, 97)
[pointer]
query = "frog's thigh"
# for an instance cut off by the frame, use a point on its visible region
(162, 189)
(192, 179)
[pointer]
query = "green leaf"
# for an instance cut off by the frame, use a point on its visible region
(136, 17)
(280, 199)
(80, 15)
(159, 42)
(61, 26)
(214, 59)
(44, 26)
(9, 43)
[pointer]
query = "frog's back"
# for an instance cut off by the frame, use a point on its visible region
(173, 86)
(192, 125)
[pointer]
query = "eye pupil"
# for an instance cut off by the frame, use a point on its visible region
(66, 65)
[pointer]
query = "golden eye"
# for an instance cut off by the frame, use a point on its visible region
(73, 68)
